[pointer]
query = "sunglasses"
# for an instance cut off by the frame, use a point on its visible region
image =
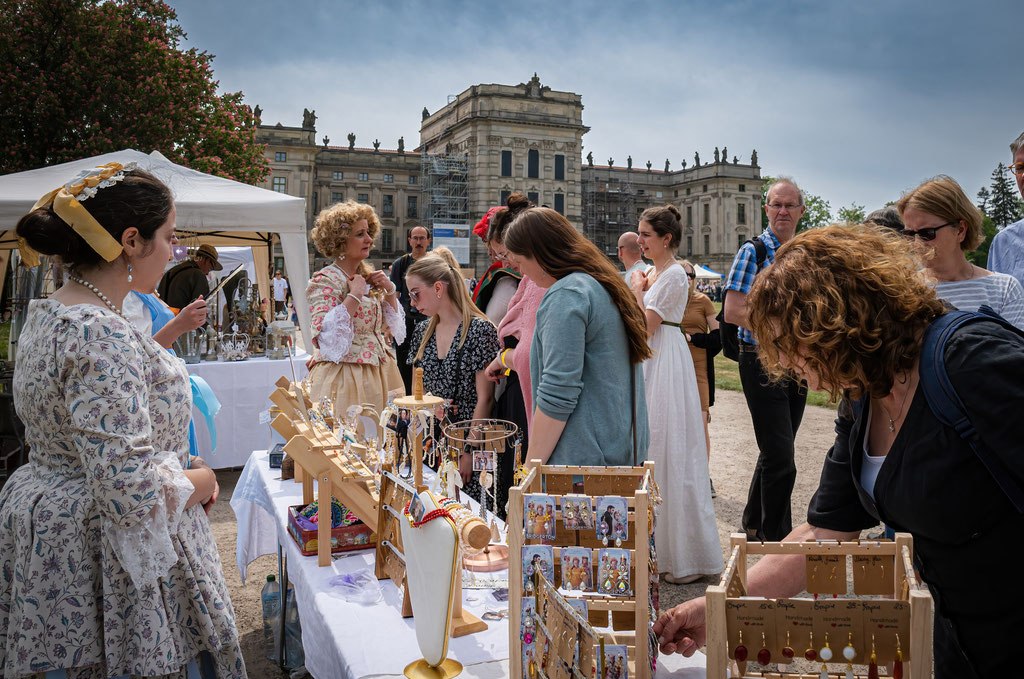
(690, 274)
(927, 234)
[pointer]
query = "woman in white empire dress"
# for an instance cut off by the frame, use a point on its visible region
(686, 535)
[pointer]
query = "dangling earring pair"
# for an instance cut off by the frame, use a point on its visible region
(130, 270)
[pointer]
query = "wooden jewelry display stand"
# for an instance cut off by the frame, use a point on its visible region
(563, 628)
(630, 615)
(415, 403)
(889, 615)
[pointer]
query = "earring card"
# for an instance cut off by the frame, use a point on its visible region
(826, 573)
(873, 574)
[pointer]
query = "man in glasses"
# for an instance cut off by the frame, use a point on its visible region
(1006, 254)
(775, 408)
(630, 255)
(419, 243)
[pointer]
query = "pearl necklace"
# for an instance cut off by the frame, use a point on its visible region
(96, 291)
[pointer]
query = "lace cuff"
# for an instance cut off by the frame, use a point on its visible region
(145, 549)
(395, 318)
(336, 334)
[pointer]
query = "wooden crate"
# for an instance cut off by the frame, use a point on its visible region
(902, 601)
(630, 616)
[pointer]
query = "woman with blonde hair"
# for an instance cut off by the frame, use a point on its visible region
(589, 341)
(927, 211)
(686, 532)
(454, 344)
(355, 312)
(846, 309)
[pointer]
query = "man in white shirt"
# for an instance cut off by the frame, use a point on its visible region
(1006, 254)
(630, 255)
(280, 292)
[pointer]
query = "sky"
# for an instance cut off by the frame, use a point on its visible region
(858, 101)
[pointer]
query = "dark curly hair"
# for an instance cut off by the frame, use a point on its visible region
(849, 302)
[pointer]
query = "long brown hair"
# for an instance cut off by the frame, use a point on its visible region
(544, 235)
(440, 265)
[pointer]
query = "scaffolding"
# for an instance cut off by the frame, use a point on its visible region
(609, 207)
(445, 180)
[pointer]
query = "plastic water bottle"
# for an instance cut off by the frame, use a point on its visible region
(271, 599)
(294, 656)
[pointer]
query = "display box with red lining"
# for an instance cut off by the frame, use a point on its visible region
(343, 539)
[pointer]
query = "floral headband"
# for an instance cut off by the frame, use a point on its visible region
(66, 202)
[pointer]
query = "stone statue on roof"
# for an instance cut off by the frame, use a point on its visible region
(351, 140)
(401, 144)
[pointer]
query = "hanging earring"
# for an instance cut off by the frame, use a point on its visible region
(130, 270)
(764, 656)
(825, 654)
(849, 652)
(873, 661)
(740, 652)
(897, 667)
(810, 653)
(787, 650)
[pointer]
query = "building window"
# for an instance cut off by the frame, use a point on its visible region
(388, 207)
(689, 245)
(337, 176)
(364, 176)
(675, 193)
(410, 206)
(707, 213)
(743, 188)
(559, 167)
(705, 189)
(280, 184)
(506, 163)
(337, 196)
(389, 178)
(504, 197)
(414, 179)
(687, 191)
(534, 197)
(689, 215)
(707, 244)
(560, 203)
(533, 164)
(740, 240)
(280, 157)
(364, 198)
(741, 213)
(386, 240)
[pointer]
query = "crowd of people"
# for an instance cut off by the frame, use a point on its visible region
(110, 567)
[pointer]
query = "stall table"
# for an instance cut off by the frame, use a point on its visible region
(347, 640)
(242, 389)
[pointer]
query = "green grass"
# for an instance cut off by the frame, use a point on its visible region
(5, 335)
(727, 376)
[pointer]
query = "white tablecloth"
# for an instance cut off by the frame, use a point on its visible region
(242, 387)
(342, 639)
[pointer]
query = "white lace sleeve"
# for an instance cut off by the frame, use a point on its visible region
(336, 333)
(145, 549)
(395, 318)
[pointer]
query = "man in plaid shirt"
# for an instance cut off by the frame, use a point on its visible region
(775, 409)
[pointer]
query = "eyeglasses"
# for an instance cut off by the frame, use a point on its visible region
(500, 256)
(926, 234)
(1017, 170)
(414, 295)
(790, 207)
(690, 274)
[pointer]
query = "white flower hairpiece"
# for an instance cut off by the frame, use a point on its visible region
(88, 191)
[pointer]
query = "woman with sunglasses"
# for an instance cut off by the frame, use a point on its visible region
(944, 225)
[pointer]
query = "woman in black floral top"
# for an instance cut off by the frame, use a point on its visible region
(454, 345)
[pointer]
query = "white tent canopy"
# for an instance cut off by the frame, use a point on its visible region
(703, 272)
(210, 210)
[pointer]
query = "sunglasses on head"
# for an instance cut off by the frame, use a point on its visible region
(926, 234)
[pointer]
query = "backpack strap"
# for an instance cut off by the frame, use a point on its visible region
(945, 403)
(760, 251)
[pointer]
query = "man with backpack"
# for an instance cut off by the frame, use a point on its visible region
(776, 408)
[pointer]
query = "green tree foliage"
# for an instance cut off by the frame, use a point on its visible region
(983, 198)
(1004, 205)
(84, 77)
(817, 210)
(852, 214)
(980, 255)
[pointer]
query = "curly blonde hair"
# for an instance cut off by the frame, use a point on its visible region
(849, 302)
(334, 224)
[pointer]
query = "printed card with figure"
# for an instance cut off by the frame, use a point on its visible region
(483, 460)
(577, 571)
(612, 520)
(578, 512)
(539, 517)
(615, 664)
(537, 558)
(613, 572)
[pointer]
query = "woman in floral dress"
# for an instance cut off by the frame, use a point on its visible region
(355, 313)
(108, 566)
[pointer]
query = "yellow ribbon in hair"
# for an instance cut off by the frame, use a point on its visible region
(66, 206)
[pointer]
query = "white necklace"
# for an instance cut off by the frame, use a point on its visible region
(96, 291)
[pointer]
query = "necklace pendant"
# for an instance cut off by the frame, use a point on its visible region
(892, 425)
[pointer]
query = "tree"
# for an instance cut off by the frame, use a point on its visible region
(983, 197)
(83, 77)
(979, 255)
(853, 214)
(817, 210)
(1004, 205)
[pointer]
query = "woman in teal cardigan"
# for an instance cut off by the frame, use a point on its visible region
(585, 358)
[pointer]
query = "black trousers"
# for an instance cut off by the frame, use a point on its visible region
(401, 354)
(776, 410)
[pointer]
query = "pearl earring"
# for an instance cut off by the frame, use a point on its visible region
(130, 270)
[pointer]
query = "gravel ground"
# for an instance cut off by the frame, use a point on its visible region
(732, 457)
